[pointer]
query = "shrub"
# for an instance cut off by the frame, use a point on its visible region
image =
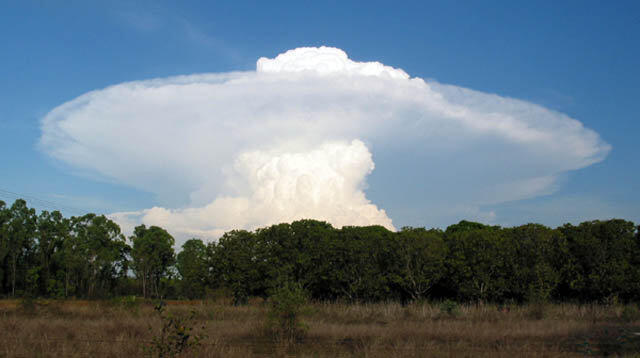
(605, 342)
(176, 336)
(630, 313)
(286, 305)
(450, 308)
(28, 305)
(131, 304)
(537, 311)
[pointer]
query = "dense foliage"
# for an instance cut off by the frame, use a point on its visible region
(48, 255)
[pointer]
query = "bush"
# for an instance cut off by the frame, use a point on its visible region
(630, 313)
(450, 308)
(176, 336)
(28, 305)
(605, 342)
(537, 311)
(286, 305)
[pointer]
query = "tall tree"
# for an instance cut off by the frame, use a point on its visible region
(152, 256)
(475, 265)
(52, 230)
(358, 263)
(5, 217)
(600, 259)
(240, 264)
(95, 253)
(292, 251)
(531, 261)
(465, 225)
(421, 258)
(20, 235)
(192, 266)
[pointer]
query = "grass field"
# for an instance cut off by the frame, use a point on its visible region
(122, 328)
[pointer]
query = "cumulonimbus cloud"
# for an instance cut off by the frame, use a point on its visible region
(297, 138)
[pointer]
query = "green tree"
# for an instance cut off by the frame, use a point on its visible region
(192, 266)
(357, 264)
(20, 240)
(240, 264)
(292, 251)
(71, 261)
(531, 262)
(276, 245)
(94, 256)
(421, 258)
(52, 230)
(465, 225)
(635, 269)
(5, 217)
(475, 265)
(600, 260)
(152, 256)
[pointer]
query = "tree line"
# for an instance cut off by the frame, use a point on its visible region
(48, 255)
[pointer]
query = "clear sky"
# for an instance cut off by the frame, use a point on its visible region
(579, 58)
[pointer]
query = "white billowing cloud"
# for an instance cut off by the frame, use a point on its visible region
(325, 60)
(325, 184)
(295, 139)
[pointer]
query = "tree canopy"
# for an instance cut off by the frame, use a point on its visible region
(47, 255)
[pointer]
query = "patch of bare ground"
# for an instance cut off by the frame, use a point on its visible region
(105, 329)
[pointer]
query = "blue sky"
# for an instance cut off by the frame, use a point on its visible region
(575, 57)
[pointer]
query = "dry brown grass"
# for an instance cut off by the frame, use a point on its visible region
(106, 329)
